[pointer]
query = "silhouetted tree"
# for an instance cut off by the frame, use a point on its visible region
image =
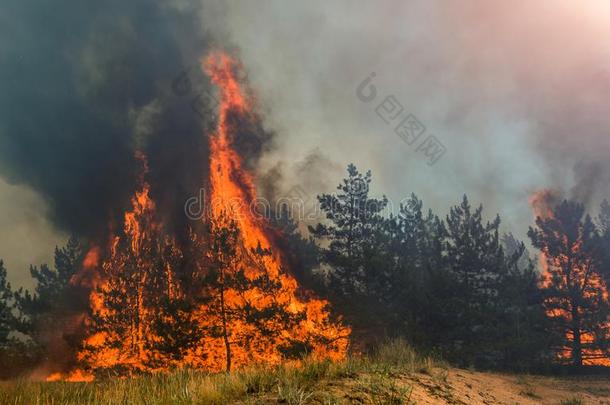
(300, 252)
(419, 273)
(603, 224)
(174, 320)
(477, 262)
(48, 315)
(521, 337)
(7, 316)
(358, 251)
(16, 355)
(52, 294)
(352, 231)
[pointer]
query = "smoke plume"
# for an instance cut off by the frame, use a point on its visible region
(517, 93)
(86, 85)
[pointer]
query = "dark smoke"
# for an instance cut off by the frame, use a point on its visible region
(592, 180)
(314, 169)
(251, 138)
(85, 85)
(312, 174)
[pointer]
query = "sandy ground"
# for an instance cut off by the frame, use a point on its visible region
(467, 387)
(456, 386)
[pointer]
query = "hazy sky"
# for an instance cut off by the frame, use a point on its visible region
(26, 235)
(518, 93)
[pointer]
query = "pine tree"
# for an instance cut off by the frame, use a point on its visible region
(476, 259)
(521, 337)
(16, 355)
(47, 316)
(7, 317)
(603, 224)
(357, 256)
(243, 301)
(52, 292)
(354, 222)
(575, 292)
(416, 240)
(117, 326)
(174, 323)
(474, 249)
(140, 317)
(220, 279)
(300, 252)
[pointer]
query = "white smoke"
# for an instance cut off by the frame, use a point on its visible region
(517, 92)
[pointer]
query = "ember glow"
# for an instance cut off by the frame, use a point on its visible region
(142, 270)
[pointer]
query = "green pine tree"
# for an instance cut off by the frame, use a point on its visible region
(357, 254)
(420, 273)
(476, 260)
(7, 316)
(46, 315)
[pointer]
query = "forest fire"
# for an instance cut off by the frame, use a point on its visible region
(570, 264)
(296, 202)
(220, 301)
(230, 182)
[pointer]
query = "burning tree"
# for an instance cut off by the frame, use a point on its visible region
(264, 316)
(220, 299)
(576, 296)
(140, 318)
(242, 302)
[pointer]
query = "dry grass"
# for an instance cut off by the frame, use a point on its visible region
(392, 374)
(572, 401)
(372, 379)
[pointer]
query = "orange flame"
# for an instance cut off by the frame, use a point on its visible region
(542, 202)
(232, 194)
(127, 278)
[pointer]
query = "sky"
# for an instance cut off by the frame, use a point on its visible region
(516, 92)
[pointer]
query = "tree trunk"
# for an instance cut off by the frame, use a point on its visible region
(576, 343)
(225, 334)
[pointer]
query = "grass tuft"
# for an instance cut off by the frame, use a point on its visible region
(572, 401)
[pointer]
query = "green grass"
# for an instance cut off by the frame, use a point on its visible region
(312, 381)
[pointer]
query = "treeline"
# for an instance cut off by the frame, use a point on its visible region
(455, 285)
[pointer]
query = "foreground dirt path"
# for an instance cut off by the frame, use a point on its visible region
(468, 387)
(454, 386)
